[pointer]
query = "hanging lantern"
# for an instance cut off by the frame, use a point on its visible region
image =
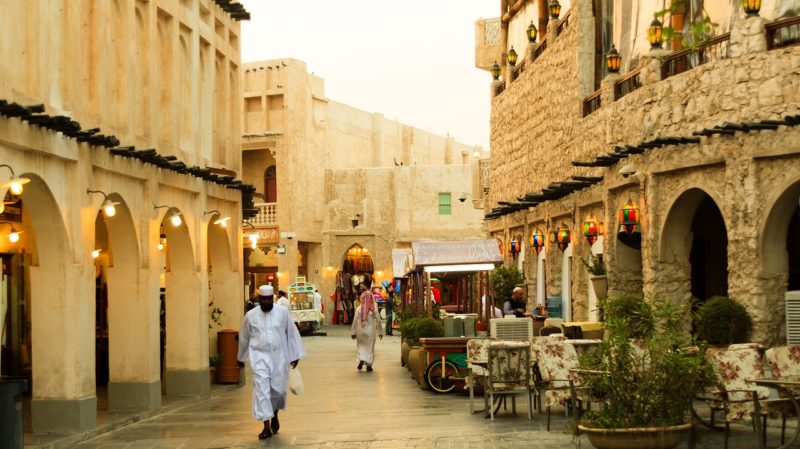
(511, 56)
(563, 237)
(514, 247)
(537, 240)
(501, 245)
(555, 9)
(591, 229)
(613, 60)
(629, 217)
(654, 33)
(495, 71)
(531, 32)
(751, 7)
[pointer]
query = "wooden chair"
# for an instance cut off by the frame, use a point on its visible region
(509, 373)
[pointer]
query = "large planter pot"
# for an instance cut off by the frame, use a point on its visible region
(414, 360)
(405, 348)
(600, 285)
(637, 438)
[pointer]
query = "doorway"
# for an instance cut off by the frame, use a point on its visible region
(709, 254)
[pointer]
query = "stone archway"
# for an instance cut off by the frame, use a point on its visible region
(62, 331)
(186, 315)
(693, 250)
(223, 282)
(779, 259)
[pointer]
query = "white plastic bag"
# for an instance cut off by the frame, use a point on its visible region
(295, 381)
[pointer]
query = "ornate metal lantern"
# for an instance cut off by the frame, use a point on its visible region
(654, 33)
(555, 9)
(511, 56)
(562, 237)
(629, 217)
(751, 7)
(537, 240)
(591, 228)
(531, 32)
(495, 71)
(613, 60)
(501, 245)
(514, 247)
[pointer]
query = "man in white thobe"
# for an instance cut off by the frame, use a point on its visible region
(317, 307)
(272, 343)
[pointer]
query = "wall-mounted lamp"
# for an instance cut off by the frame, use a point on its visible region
(511, 56)
(591, 229)
(108, 206)
(14, 184)
(174, 215)
(555, 9)
(13, 235)
(561, 237)
(751, 7)
(162, 241)
(514, 247)
(531, 32)
(654, 33)
(221, 221)
(537, 240)
(613, 60)
(495, 71)
(330, 268)
(96, 253)
(629, 217)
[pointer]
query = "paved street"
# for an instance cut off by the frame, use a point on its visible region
(344, 408)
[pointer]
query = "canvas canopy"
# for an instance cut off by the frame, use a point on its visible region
(400, 258)
(461, 252)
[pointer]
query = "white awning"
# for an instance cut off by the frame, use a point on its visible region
(459, 252)
(400, 258)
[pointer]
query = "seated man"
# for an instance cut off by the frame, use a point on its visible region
(515, 305)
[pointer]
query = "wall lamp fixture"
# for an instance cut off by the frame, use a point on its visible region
(108, 206)
(14, 184)
(222, 221)
(174, 215)
(13, 235)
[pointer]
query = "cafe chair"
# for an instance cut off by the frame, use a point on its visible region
(782, 361)
(509, 373)
(735, 395)
(556, 360)
(549, 330)
(477, 361)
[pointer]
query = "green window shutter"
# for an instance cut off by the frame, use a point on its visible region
(444, 203)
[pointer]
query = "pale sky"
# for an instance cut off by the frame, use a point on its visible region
(411, 60)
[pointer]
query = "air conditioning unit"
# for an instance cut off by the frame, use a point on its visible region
(511, 329)
(793, 317)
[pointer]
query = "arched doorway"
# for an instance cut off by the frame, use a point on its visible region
(270, 185)
(694, 249)
(185, 312)
(356, 264)
(224, 296)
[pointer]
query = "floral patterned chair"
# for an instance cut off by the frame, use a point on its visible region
(555, 358)
(477, 361)
(509, 373)
(735, 395)
(783, 361)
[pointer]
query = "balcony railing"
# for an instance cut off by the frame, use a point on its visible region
(539, 49)
(564, 23)
(783, 33)
(681, 61)
(267, 215)
(591, 103)
(627, 84)
(517, 71)
(499, 88)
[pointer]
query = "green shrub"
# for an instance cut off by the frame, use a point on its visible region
(429, 328)
(722, 321)
(215, 360)
(635, 315)
(504, 279)
(408, 329)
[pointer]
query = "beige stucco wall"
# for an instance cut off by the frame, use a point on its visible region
(538, 129)
(156, 74)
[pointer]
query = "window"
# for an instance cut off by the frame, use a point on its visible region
(444, 203)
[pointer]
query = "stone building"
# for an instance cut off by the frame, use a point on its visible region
(333, 179)
(703, 141)
(123, 117)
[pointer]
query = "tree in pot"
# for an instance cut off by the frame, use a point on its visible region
(597, 275)
(722, 321)
(424, 328)
(643, 380)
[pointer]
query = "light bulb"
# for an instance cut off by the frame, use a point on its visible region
(222, 222)
(96, 254)
(16, 187)
(110, 210)
(176, 220)
(13, 237)
(253, 237)
(254, 244)
(160, 246)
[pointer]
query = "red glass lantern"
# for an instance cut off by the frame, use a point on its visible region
(537, 240)
(563, 237)
(629, 217)
(591, 229)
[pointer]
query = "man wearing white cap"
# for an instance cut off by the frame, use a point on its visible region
(271, 340)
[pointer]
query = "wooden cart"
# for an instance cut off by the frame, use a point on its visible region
(445, 363)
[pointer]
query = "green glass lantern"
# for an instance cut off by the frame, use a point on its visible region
(591, 228)
(511, 56)
(555, 9)
(562, 237)
(629, 217)
(654, 33)
(531, 32)
(495, 71)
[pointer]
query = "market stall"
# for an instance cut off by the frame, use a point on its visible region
(356, 265)
(301, 299)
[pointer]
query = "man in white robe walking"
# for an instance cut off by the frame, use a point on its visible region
(272, 343)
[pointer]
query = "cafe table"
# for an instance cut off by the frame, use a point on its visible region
(788, 387)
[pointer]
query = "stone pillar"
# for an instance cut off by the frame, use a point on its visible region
(607, 89)
(494, 87)
(748, 36)
(651, 66)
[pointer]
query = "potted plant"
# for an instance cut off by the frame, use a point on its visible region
(420, 328)
(597, 275)
(213, 363)
(646, 388)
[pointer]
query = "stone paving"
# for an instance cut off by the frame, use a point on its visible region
(343, 408)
